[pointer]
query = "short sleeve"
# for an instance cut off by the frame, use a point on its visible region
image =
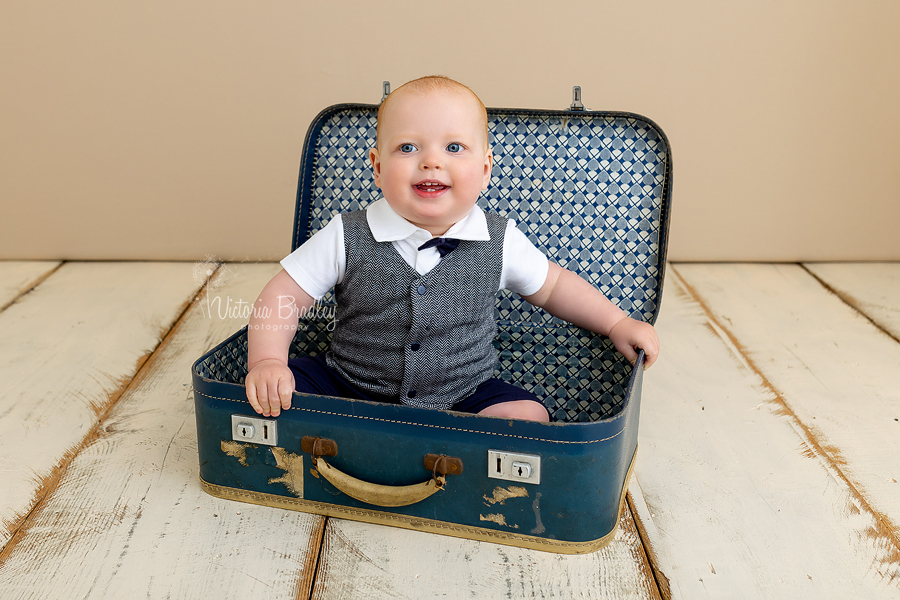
(319, 263)
(525, 267)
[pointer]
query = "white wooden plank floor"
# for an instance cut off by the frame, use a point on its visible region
(741, 488)
(767, 465)
(70, 346)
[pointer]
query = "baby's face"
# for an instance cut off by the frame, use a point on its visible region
(432, 159)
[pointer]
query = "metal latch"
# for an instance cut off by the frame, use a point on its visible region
(254, 430)
(512, 466)
(576, 98)
(385, 89)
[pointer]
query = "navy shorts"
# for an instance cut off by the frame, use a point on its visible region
(312, 375)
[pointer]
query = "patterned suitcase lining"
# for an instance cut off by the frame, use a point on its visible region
(587, 189)
(580, 376)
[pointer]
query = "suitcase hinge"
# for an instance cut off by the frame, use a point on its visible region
(576, 98)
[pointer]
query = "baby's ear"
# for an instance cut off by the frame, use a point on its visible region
(375, 161)
(488, 165)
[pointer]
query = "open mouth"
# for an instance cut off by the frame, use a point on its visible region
(430, 187)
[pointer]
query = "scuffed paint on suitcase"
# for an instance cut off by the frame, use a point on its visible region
(591, 189)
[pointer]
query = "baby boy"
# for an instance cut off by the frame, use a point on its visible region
(415, 277)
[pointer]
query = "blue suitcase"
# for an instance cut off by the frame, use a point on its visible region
(592, 190)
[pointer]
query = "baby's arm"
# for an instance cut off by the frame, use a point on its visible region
(571, 298)
(273, 323)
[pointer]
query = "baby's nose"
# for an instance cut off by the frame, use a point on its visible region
(431, 160)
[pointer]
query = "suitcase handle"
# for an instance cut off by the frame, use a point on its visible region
(379, 495)
(373, 493)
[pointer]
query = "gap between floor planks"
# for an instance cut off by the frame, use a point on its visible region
(868, 289)
(49, 481)
(835, 467)
(17, 278)
(794, 403)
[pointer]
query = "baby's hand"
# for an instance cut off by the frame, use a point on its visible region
(629, 335)
(270, 385)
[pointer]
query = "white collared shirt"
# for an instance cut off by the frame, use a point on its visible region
(319, 263)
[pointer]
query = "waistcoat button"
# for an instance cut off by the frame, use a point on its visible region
(411, 393)
(421, 289)
(415, 345)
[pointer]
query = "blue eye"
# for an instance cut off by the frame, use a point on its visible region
(407, 148)
(454, 147)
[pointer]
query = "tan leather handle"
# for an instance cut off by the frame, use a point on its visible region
(373, 493)
(379, 495)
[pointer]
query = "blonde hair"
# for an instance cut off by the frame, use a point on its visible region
(432, 83)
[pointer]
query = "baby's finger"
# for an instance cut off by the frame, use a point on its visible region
(263, 395)
(629, 353)
(285, 391)
(272, 396)
(251, 396)
(651, 353)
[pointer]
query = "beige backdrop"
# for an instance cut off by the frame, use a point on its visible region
(172, 129)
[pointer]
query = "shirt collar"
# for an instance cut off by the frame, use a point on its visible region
(387, 226)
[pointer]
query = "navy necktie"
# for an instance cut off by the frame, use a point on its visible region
(444, 245)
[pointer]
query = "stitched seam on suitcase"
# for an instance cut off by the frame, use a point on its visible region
(520, 437)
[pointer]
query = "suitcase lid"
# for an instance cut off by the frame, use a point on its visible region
(591, 189)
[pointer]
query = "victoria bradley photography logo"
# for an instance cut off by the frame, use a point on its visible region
(214, 274)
